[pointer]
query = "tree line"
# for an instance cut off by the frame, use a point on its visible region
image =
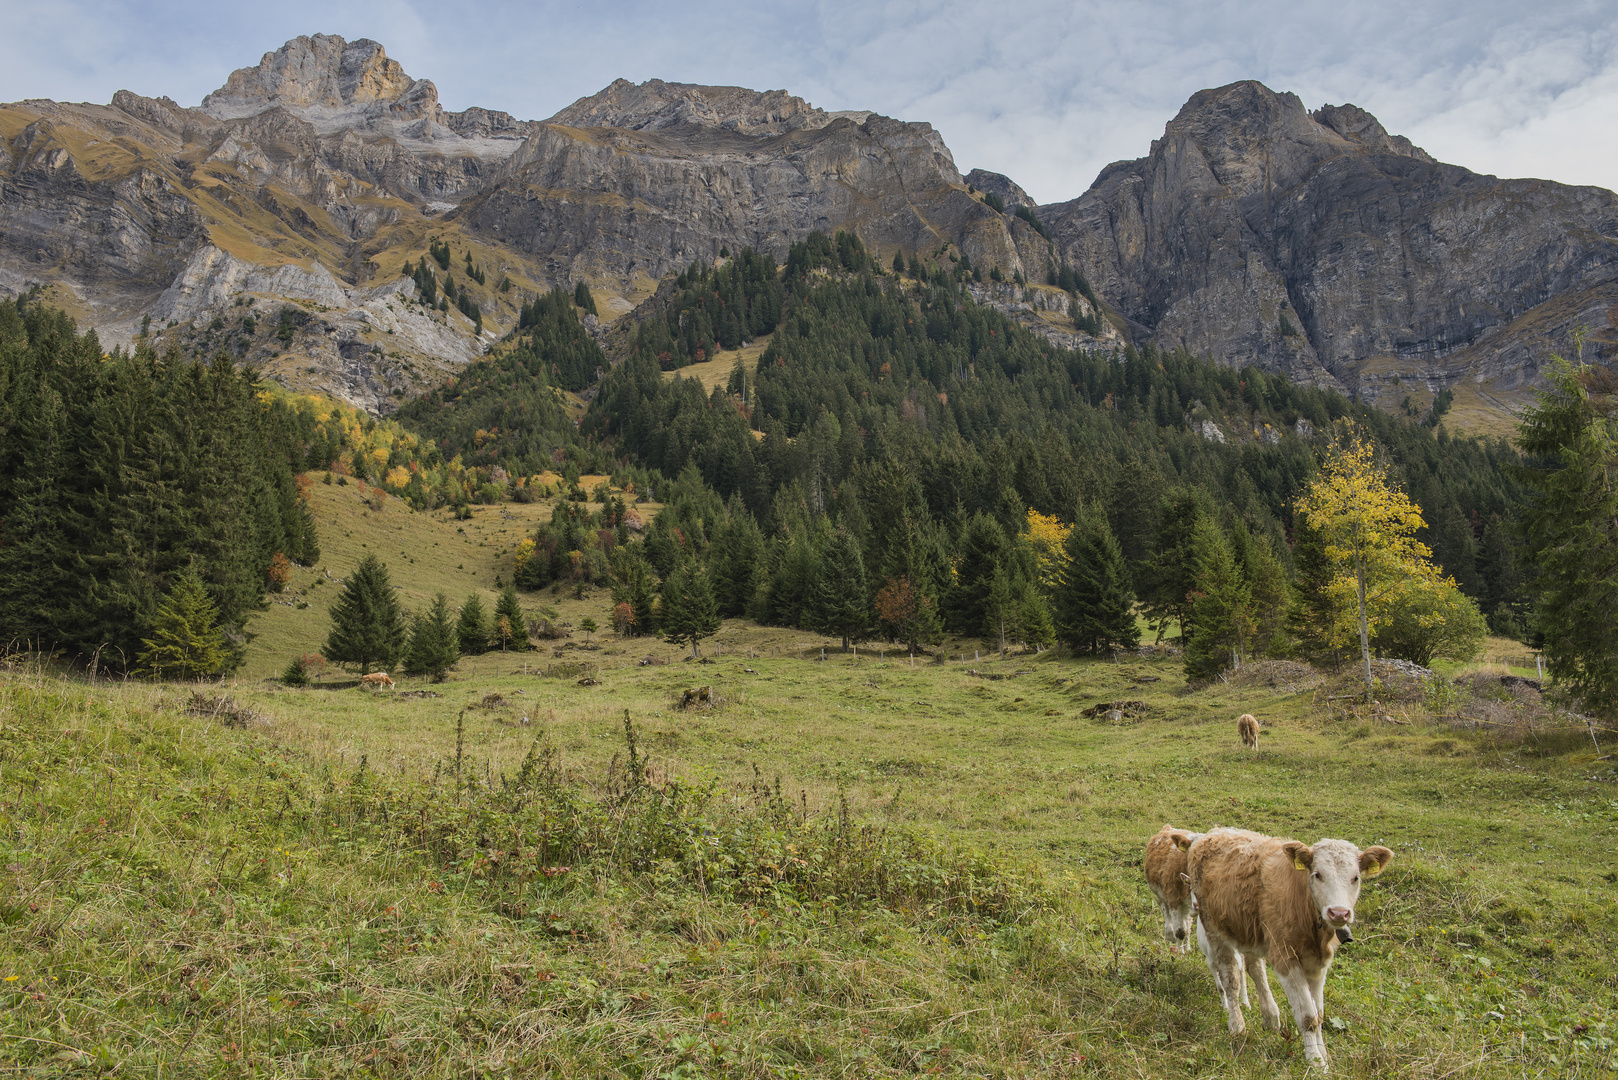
(130, 481)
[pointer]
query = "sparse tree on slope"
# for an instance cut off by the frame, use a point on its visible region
(432, 650)
(367, 624)
(689, 612)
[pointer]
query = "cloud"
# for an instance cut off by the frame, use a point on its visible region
(1046, 92)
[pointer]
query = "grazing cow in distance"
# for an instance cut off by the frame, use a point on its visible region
(376, 679)
(1166, 877)
(1247, 727)
(1262, 898)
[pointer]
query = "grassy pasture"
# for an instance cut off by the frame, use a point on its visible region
(357, 884)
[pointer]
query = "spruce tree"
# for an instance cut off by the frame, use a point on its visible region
(983, 549)
(367, 625)
(839, 600)
(1094, 605)
(1569, 532)
(432, 650)
(582, 297)
(186, 641)
(472, 630)
(689, 612)
(1220, 618)
(1169, 575)
(511, 627)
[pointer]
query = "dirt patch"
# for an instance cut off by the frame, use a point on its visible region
(224, 709)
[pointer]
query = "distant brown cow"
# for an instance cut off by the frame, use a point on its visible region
(1261, 898)
(1247, 727)
(375, 680)
(1166, 877)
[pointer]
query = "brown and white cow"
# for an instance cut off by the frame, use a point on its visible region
(1263, 898)
(375, 680)
(1247, 728)
(1166, 877)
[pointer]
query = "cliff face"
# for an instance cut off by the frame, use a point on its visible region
(629, 204)
(1316, 245)
(313, 178)
(1319, 246)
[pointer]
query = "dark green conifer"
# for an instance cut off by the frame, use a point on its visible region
(1094, 606)
(186, 641)
(368, 626)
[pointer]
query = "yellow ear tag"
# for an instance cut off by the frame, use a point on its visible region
(1297, 864)
(1373, 870)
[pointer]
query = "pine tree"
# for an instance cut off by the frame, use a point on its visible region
(186, 641)
(898, 263)
(472, 627)
(1094, 605)
(432, 649)
(982, 550)
(1169, 576)
(907, 615)
(1569, 530)
(368, 627)
(1220, 619)
(582, 297)
(839, 598)
(508, 618)
(689, 612)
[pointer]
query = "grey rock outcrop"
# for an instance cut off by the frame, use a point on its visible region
(1319, 246)
(999, 184)
(671, 174)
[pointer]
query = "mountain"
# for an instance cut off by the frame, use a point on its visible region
(291, 218)
(1321, 247)
(317, 179)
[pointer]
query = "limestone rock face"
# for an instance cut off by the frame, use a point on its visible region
(1314, 244)
(680, 172)
(1319, 246)
(1004, 186)
(655, 105)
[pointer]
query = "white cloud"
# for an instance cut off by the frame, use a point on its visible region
(1047, 92)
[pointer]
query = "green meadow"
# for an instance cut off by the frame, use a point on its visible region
(862, 866)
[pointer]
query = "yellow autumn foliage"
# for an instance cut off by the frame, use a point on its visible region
(1049, 538)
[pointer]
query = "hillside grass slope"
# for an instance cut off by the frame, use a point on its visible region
(853, 867)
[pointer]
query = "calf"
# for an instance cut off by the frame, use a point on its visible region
(1247, 727)
(375, 679)
(1261, 898)
(1166, 877)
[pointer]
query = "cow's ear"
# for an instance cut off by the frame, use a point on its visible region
(1302, 855)
(1182, 839)
(1374, 860)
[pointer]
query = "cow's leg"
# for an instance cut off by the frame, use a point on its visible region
(1268, 1009)
(1317, 990)
(1226, 963)
(1301, 996)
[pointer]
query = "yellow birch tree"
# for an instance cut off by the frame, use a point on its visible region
(1368, 528)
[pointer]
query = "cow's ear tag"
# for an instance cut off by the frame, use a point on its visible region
(1297, 864)
(1373, 870)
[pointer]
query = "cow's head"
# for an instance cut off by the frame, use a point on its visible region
(1179, 918)
(1335, 869)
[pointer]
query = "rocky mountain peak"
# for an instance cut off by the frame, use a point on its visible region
(1009, 191)
(1356, 125)
(323, 74)
(655, 105)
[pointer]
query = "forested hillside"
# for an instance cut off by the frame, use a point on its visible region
(904, 460)
(120, 473)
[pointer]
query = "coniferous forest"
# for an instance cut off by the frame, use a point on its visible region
(121, 473)
(902, 463)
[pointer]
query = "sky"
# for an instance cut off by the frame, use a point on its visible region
(1046, 93)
